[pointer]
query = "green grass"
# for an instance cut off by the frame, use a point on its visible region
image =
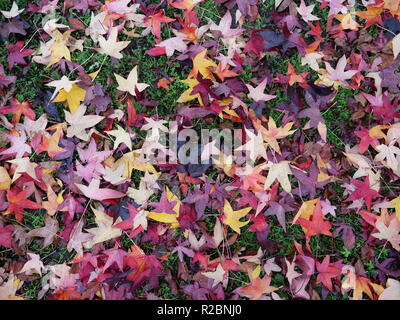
(210, 10)
(337, 113)
(284, 240)
(247, 240)
(165, 292)
(32, 289)
(172, 262)
(34, 219)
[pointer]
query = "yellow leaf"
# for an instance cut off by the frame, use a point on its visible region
(274, 133)
(322, 176)
(163, 217)
(306, 210)
(227, 103)
(74, 97)
(59, 47)
(231, 218)
(16, 283)
(224, 162)
(396, 206)
(186, 96)
(131, 162)
(48, 171)
(59, 182)
(377, 288)
(167, 217)
(143, 167)
(376, 132)
(323, 78)
(5, 180)
(229, 112)
(202, 65)
(60, 198)
(93, 75)
(256, 272)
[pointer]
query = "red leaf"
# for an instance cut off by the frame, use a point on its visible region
(155, 22)
(19, 108)
(17, 54)
(5, 235)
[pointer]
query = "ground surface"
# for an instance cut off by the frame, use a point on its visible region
(314, 211)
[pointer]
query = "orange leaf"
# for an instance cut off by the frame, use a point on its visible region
(164, 82)
(68, 294)
(347, 22)
(257, 288)
(317, 224)
(391, 5)
(19, 108)
(18, 202)
(51, 144)
(224, 73)
(372, 15)
(300, 78)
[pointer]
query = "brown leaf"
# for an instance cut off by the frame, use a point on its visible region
(48, 232)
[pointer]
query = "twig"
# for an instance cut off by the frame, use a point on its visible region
(28, 41)
(7, 96)
(386, 29)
